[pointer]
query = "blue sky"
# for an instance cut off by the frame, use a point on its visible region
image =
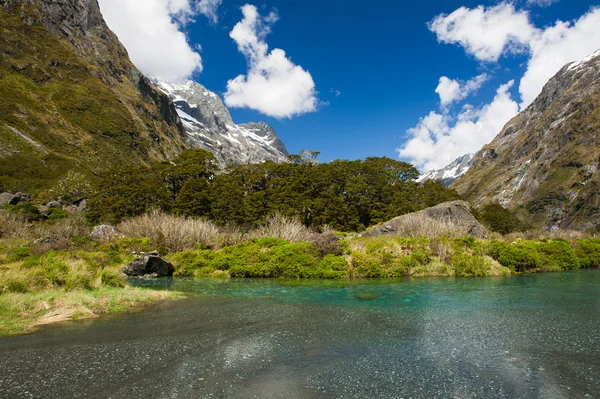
(376, 65)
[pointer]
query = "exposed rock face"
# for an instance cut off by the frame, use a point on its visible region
(71, 98)
(450, 173)
(149, 265)
(13, 199)
(457, 213)
(545, 163)
(209, 126)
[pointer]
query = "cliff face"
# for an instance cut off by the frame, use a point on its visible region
(70, 98)
(545, 163)
(208, 125)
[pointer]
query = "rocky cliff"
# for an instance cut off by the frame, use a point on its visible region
(209, 126)
(545, 163)
(70, 98)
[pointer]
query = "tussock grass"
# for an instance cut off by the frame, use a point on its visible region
(278, 226)
(176, 233)
(24, 312)
(420, 225)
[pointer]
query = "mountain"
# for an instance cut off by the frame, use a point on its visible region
(545, 163)
(208, 125)
(450, 173)
(70, 98)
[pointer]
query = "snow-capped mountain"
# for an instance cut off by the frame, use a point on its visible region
(448, 174)
(209, 126)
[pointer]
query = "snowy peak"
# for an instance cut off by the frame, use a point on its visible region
(448, 174)
(209, 125)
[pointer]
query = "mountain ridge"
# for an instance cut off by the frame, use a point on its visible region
(545, 162)
(208, 125)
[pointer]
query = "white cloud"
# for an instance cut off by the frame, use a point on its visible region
(485, 32)
(451, 90)
(542, 3)
(439, 139)
(152, 32)
(274, 85)
(556, 46)
(209, 9)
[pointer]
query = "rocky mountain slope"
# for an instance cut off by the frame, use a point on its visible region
(450, 173)
(209, 126)
(545, 163)
(70, 98)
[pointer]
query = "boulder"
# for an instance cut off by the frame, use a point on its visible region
(54, 204)
(5, 198)
(455, 213)
(19, 197)
(105, 232)
(149, 265)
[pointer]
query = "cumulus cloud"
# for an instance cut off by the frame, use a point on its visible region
(273, 85)
(485, 32)
(439, 138)
(153, 33)
(556, 46)
(451, 90)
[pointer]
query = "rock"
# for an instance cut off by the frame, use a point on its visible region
(54, 204)
(5, 198)
(105, 232)
(44, 210)
(149, 265)
(20, 197)
(458, 213)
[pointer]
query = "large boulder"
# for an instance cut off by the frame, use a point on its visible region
(19, 197)
(453, 216)
(105, 232)
(5, 198)
(149, 265)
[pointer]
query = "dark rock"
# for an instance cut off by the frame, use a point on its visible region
(19, 197)
(149, 265)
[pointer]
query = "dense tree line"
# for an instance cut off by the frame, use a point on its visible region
(347, 195)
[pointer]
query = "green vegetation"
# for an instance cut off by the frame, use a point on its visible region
(60, 110)
(46, 283)
(346, 195)
(499, 219)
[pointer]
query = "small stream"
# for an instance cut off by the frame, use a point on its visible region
(534, 336)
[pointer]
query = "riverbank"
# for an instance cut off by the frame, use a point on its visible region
(57, 271)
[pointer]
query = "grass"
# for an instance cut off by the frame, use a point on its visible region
(24, 312)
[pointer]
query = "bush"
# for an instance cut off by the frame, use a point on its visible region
(522, 256)
(470, 265)
(558, 255)
(588, 252)
(499, 219)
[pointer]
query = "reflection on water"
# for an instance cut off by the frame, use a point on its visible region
(532, 336)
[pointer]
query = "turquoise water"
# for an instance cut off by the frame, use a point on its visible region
(535, 336)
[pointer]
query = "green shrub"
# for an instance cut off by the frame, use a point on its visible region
(558, 255)
(366, 265)
(470, 265)
(588, 252)
(522, 256)
(20, 254)
(499, 219)
(333, 262)
(193, 263)
(57, 214)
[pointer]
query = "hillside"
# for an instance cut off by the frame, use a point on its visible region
(70, 98)
(545, 162)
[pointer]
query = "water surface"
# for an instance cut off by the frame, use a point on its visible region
(532, 336)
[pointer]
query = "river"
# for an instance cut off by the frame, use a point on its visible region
(533, 336)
